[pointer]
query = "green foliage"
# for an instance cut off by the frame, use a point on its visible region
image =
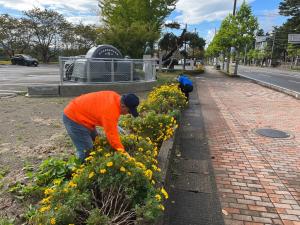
(289, 8)
(97, 218)
(110, 187)
(6, 221)
(45, 25)
(235, 31)
(54, 169)
(129, 25)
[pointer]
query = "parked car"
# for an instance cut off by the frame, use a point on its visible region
(24, 60)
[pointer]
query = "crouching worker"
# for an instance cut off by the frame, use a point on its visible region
(185, 85)
(103, 108)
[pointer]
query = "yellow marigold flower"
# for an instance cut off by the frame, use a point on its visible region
(122, 169)
(46, 200)
(109, 164)
(141, 165)
(45, 208)
(154, 167)
(158, 169)
(107, 155)
(152, 181)
(93, 153)
(99, 149)
(158, 197)
(91, 175)
(48, 191)
(71, 184)
(129, 173)
(148, 174)
(52, 221)
(89, 158)
(165, 193)
(161, 207)
(66, 190)
(57, 181)
(140, 149)
(102, 171)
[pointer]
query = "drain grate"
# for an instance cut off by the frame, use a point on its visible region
(272, 133)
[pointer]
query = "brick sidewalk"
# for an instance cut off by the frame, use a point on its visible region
(258, 178)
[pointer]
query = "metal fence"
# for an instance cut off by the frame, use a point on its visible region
(96, 70)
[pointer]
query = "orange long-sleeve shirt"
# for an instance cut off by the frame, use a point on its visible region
(101, 108)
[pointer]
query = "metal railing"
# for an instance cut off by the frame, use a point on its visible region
(103, 70)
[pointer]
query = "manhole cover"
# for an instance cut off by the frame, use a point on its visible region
(272, 133)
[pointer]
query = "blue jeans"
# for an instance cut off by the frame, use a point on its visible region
(81, 136)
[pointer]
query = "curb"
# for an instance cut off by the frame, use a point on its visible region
(273, 86)
(163, 157)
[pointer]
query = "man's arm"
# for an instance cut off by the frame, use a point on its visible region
(111, 131)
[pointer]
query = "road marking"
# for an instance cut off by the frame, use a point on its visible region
(22, 84)
(14, 91)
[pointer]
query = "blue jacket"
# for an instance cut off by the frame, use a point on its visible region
(184, 80)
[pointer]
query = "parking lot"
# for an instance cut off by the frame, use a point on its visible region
(16, 79)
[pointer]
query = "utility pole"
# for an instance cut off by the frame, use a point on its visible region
(234, 8)
(231, 59)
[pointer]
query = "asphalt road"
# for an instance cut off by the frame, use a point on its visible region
(282, 78)
(15, 78)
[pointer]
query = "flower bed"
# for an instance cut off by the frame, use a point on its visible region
(112, 187)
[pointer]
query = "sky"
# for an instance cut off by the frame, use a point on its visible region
(202, 16)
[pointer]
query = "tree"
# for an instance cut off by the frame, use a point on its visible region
(48, 28)
(260, 32)
(195, 42)
(290, 8)
(244, 25)
(15, 36)
(235, 31)
(129, 25)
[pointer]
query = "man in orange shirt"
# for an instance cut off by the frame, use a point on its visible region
(102, 108)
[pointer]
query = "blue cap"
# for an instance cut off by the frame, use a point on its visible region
(131, 101)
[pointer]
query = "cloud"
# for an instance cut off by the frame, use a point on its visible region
(209, 10)
(86, 11)
(210, 36)
(268, 19)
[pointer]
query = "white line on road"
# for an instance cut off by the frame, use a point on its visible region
(22, 84)
(14, 91)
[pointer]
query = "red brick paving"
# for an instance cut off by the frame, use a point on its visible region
(258, 178)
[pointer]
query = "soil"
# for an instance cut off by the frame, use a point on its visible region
(31, 131)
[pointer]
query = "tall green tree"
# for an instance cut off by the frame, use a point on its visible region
(290, 8)
(130, 24)
(14, 35)
(48, 27)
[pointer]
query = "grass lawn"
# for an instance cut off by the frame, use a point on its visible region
(5, 62)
